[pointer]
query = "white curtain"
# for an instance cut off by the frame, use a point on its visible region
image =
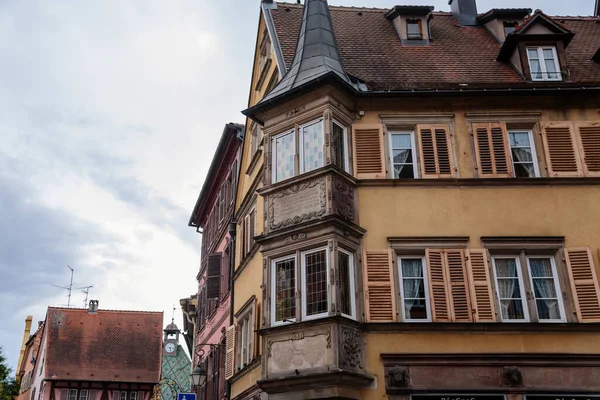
(412, 272)
(544, 287)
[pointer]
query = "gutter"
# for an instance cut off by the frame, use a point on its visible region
(232, 234)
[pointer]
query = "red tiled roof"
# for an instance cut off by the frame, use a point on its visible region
(371, 51)
(110, 346)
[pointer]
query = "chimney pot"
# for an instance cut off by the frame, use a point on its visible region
(465, 11)
(93, 308)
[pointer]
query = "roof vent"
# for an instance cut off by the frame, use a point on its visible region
(93, 309)
(465, 11)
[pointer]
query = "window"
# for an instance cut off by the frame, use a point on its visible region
(414, 289)
(245, 336)
(509, 287)
(545, 288)
(248, 232)
(222, 203)
(284, 290)
(132, 395)
(346, 289)
(265, 50)
(73, 394)
(232, 180)
(123, 396)
(312, 146)
(340, 138)
(413, 29)
(315, 283)
(256, 138)
(83, 395)
(284, 149)
(522, 153)
(509, 27)
(543, 63)
(403, 153)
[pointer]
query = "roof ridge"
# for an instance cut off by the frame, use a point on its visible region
(105, 310)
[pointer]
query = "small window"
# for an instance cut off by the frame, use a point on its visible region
(256, 138)
(83, 394)
(413, 289)
(73, 394)
(284, 288)
(312, 146)
(123, 395)
(222, 203)
(265, 50)
(132, 395)
(284, 149)
(510, 290)
(509, 27)
(340, 140)
(522, 153)
(346, 271)
(413, 29)
(543, 64)
(545, 289)
(403, 152)
(315, 283)
(232, 179)
(245, 338)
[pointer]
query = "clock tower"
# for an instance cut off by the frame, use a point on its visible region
(171, 340)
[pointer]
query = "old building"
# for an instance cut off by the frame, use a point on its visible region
(28, 359)
(418, 205)
(208, 313)
(92, 354)
(176, 366)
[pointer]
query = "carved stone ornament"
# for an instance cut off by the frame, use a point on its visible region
(286, 206)
(343, 199)
(397, 377)
(295, 237)
(512, 376)
(351, 349)
(298, 336)
(295, 111)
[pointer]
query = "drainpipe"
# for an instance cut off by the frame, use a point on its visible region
(232, 233)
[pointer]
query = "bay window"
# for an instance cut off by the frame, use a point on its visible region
(312, 281)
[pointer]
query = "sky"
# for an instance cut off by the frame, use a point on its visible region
(110, 112)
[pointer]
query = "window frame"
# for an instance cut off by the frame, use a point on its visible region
(274, 155)
(246, 319)
(541, 59)
(419, 23)
(303, 281)
(81, 394)
(536, 167)
(273, 304)
(425, 283)
(523, 289)
(346, 148)
(351, 273)
(415, 157)
(121, 395)
(300, 144)
(73, 397)
(557, 287)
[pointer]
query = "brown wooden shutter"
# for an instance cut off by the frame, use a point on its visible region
(435, 147)
(457, 286)
(230, 352)
(491, 148)
(482, 295)
(380, 302)
(369, 153)
(589, 137)
(560, 148)
(584, 283)
(436, 274)
(213, 276)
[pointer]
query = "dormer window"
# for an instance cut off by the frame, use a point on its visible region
(509, 27)
(543, 64)
(414, 29)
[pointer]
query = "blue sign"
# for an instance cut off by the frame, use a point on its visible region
(186, 396)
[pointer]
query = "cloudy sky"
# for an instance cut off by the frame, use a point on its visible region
(109, 114)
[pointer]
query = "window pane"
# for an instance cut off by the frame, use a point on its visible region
(508, 29)
(548, 55)
(401, 141)
(313, 146)
(533, 54)
(285, 289)
(403, 156)
(536, 69)
(506, 267)
(509, 288)
(340, 146)
(413, 287)
(551, 69)
(412, 28)
(512, 309)
(345, 283)
(316, 282)
(519, 139)
(83, 394)
(522, 154)
(73, 394)
(284, 157)
(524, 170)
(544, 288)
(403, 171)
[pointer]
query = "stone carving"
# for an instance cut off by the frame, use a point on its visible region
(343, 200)
(295, 237)
(512, 376)
(397, 377)
(298, 336)
(295, 111)
(298, 203)
(351, 349)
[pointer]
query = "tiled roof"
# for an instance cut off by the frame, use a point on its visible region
(457, 58)
(110, 346)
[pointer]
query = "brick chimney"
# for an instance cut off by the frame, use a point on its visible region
(93, 307)
(465, 11)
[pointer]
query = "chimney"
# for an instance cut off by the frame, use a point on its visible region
(93, 309)
(465, 11)
(597, 9)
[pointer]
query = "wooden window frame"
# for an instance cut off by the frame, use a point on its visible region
(303, 280)
(415, 155)
(419, 23)
(523, 289)
(557, 287)
(540, 51)
(351, 273)
(346, 160)
(273, 304)
(536, 166)
(401, 288)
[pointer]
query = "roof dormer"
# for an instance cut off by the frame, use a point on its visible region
(412, 24)
(502, 21)
(536, 48)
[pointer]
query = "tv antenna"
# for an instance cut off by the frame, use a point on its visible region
(86, 290)
(69, 287)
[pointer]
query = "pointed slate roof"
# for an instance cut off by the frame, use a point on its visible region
(317, 54)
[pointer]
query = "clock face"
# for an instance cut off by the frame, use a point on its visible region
(170, 347)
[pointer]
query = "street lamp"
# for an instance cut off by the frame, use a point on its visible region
(198, 376)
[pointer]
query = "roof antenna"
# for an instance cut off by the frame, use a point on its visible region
(86, 290)
(69, 287)
(173, 317)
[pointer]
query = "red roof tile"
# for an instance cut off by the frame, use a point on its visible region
(371, 51)
(110, 346)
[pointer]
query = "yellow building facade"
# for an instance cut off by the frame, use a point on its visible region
(422, 230)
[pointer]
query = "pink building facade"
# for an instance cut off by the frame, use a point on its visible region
(209, 315)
